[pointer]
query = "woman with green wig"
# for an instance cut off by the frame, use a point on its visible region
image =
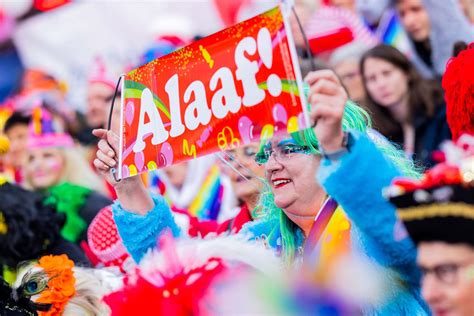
(323, 182)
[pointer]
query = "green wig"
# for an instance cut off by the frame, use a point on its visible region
(355, 118)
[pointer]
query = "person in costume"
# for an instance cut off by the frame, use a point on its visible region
(41, 88)
(295, 197)
(438, 213)
(67, 289)
(37, 89)
(105, 246)
(54, 168)
(408, 109)
(196, 190)
(29, 229)
(15, 303)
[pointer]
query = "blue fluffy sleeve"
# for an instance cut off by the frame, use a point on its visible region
(140, 232)
(356, 181)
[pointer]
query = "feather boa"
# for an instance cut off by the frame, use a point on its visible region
(181, 277)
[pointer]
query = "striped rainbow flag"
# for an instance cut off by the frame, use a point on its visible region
(208, 201)
(391, 32)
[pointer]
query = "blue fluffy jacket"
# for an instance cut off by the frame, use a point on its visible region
(355, 181)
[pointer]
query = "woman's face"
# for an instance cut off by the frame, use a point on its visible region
(348, 71)
(243, 160)
(291, 173)
(177, 174)
(385, 83)
(414, 18)
(44, 167)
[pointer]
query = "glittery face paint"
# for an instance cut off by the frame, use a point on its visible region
(44, 167)
(292, 180)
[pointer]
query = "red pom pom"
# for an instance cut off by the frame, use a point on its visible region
(458, 84)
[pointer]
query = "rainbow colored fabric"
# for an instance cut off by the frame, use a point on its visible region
(207, 202)
(391, 32)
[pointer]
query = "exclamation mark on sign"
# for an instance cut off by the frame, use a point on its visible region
(265, 50)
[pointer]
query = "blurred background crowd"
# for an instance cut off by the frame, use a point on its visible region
(60, 62)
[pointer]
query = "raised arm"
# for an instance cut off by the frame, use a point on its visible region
(140, 219)
(131, 192)
(356, 181)
(354, 172)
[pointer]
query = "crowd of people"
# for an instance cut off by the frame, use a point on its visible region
(369, 211)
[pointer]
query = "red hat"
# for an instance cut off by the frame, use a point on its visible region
(105, 242)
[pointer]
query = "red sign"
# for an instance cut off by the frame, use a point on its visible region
(46, 5)
(234, 87)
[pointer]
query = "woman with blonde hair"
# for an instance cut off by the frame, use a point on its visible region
(74, 169)
(54, 167)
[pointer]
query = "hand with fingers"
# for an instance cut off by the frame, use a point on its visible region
(327, 98)
(106, 156)
(131, 192)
